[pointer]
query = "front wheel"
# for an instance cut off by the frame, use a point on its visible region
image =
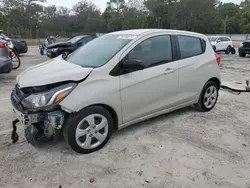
(214, 48)
(88, 130)
(16, 62)
(228, 50)
(242, 54)
(65, 54)
(208, 97)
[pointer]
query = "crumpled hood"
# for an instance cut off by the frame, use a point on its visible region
(52, 71)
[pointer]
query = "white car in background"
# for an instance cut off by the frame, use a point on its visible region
(221, 43)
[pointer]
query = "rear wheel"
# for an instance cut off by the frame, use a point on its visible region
(16, 62)
(233, 51)
(88, 130)
(208, 97)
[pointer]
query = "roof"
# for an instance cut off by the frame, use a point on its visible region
(137, 32)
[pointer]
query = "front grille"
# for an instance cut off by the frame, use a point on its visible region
(16, 98)
(246, 44)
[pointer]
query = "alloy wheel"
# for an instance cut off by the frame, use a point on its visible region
(210, 96)
(91, 131)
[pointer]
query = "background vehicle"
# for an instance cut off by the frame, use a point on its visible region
(245, 48)
(5, 60)
(67, 47)
(221, 43)
(19, 46)
(48, 41)
(12, 52)
(115, 81)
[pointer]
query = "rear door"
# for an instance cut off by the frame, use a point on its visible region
(154, 88)
(191, 54)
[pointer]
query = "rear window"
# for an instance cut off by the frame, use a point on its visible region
(190, 46)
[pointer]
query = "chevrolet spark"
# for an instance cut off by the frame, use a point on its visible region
(114, 81)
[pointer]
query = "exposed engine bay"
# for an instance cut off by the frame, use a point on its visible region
(41, 124)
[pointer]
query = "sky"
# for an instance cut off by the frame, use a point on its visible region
(101, 3)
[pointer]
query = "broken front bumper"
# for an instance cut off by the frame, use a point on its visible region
(45, 124)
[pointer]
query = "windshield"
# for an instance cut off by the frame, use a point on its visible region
(212, 39)
(75, 39)
(98, 52)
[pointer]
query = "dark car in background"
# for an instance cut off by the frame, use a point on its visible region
(67, 47)
(21, 46)
(5, 60)
(245, 48)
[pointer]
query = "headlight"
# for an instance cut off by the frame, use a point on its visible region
(54, 49)
(49, 98)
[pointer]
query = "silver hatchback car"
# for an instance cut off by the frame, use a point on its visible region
(5, 60)
(114, 81)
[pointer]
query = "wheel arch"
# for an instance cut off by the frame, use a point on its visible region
(215, 80)
(111, 111)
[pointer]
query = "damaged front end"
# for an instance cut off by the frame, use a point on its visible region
(38, 109)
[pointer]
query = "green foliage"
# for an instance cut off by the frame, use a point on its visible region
(29, 18)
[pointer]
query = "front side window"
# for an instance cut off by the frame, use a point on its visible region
(189, 46)
(220, 39)
(153, 51)
(98, 52)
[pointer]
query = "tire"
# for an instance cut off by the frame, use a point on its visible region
(41, 52)
(15, 59)
(242, 54)
(228, 50)
(233, 51)
(80, 121)
(65, 54)
(202, 105)
(214, 48)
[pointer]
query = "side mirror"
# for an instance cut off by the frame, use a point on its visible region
(218, 41)
(131, 65)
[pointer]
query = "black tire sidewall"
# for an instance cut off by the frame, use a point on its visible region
(242, 54)
(65, 53)
(228, 50)
(201, 99)
(214, 48)
(74, 119)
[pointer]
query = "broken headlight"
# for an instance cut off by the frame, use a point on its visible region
(48, 98)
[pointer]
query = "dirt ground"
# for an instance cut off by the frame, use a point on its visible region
(182, 149)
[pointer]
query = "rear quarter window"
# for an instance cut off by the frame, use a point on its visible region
(190, 46)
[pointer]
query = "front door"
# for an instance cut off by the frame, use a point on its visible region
(153, 89)
(220, 44)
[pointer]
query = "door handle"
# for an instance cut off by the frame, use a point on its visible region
(169, 70)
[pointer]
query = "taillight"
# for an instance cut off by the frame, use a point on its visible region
(3, 44)
(217, 58)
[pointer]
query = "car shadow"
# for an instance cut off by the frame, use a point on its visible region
(152, 121)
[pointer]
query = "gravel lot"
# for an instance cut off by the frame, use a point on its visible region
(185, 148)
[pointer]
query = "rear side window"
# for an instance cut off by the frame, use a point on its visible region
(190, 46)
